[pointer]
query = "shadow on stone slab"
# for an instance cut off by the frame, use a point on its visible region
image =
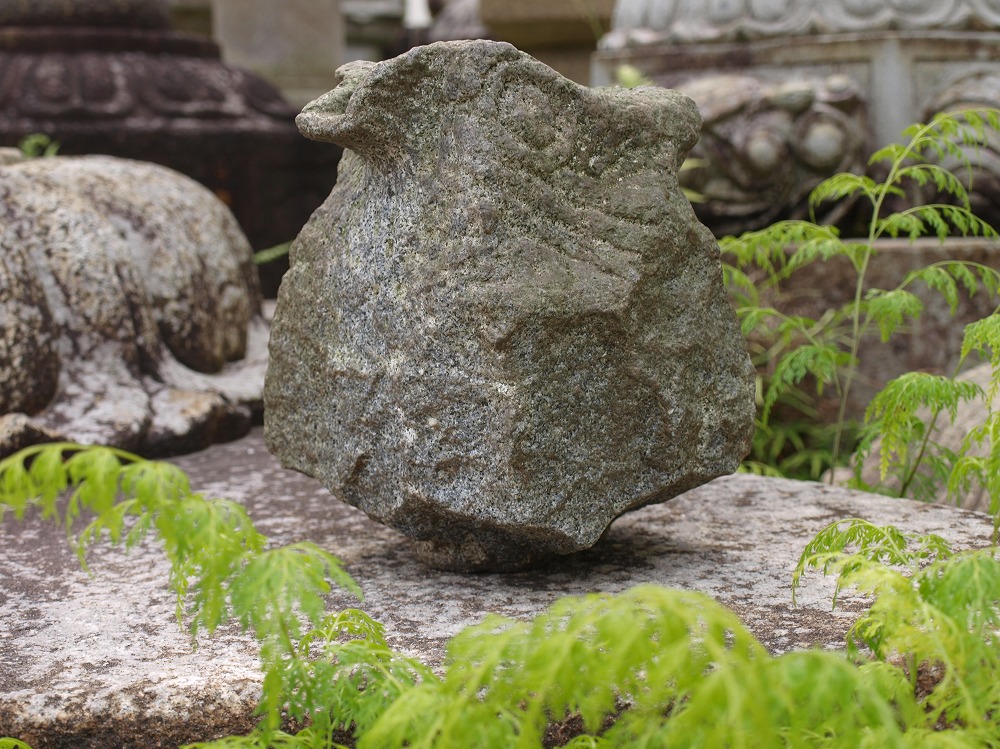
(100, 661)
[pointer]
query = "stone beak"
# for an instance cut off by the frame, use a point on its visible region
(326, 118)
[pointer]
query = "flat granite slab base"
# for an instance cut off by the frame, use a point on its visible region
(100, 662)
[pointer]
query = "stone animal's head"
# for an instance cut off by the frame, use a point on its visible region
(411, 103)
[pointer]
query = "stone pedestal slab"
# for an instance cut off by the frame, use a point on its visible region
(100, 662)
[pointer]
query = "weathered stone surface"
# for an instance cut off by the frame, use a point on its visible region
(124, 289)
(903, 62)
(29, 360)
(18, 430)
(99, 662)
(739, 20)
(505, 327)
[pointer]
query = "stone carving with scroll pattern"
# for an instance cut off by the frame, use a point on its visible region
(733, 20)
(111, 77)
(765, 146)
(505, 327)
(901, 60)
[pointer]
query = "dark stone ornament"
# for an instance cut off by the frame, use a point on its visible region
(109, 76)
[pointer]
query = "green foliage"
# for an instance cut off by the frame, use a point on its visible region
(271, 254)
(984, 470)
(38, 145)
(220, 567)
(505, 680)
(650, 667)
(793, 350)
(936, 613)
(340, 678)
(895, 409)
(905, 413)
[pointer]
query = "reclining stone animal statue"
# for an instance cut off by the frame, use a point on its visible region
(129, 309)
(505, 327)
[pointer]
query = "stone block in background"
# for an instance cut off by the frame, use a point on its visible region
(296, 44)
(505, 327)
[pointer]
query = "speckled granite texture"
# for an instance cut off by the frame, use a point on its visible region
(130, 309)
(505, 327)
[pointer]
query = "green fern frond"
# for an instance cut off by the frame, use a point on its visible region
(821, 362)
(967, 589)
(265, 739)
(894, 152)
(43, 484)
(944, 180)
(966, 275)
(797, 700)
(740, 285)
(942, 281)
(895, 408)
(983, 469)
(983, 337)
(760, 468)
(936, 462)
(937, 609)
(754, 318)
(949, 136)
(505, 680)
(341, 676)
(909, 225)
(215, 553)
(287, 579)
(841, 186)
(767, 249)
(207, 542)
(927, 620)
(219, 568)
(890, 309)
(847, 542)
(38, 146)
(940, 219)
(269, 255)
(819, 248)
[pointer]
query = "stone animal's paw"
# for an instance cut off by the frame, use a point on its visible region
(122, 281)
